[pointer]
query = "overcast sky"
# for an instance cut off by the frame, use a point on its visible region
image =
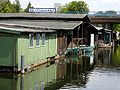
(94, 5)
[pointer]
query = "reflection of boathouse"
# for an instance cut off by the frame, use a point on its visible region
(78, 68)
(103, 56)
(43, 78)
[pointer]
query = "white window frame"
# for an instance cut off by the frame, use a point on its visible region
(31, 40)
(43, 39)
(37, 39)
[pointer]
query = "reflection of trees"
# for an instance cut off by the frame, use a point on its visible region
(116, 56)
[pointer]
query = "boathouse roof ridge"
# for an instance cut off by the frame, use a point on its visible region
(42, 16)
(17, 30)
(41, 24)
(102, 28)
(44, 22)
(98, 28)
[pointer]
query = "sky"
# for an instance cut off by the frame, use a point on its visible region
(94, 5)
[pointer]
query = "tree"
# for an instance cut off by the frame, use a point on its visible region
(28, 6)
(6, 7)
(17, 6)
(99, 12)
(116, 27)
(106, 13)
(4, 1)
(111, 12)
(75, 7)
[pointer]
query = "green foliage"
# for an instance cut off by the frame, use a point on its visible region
(111, 12)
(75, 7)
(28, 6)
(17, 6)
(116, 27)
(100, 12)
(7, 7)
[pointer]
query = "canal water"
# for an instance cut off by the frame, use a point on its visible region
(98, 70)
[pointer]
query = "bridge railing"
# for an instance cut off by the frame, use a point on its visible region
(104, 13)
(96, 13)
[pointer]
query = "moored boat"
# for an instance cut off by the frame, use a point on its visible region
(86, 48)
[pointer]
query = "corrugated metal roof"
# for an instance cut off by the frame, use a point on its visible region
(18, 30)
(101, 28)
(108, 30)
(98, 28)
(42, 15)
(48, 23)
(42, 24)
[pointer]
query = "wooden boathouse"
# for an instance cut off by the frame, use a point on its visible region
(106, 37)
(30, 39)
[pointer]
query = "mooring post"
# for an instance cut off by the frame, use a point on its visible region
(22, 64)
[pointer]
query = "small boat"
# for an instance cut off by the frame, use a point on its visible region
(86, 48)
(72, 49)
(88, 54)
(101, 44)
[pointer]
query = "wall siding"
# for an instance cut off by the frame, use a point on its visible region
(34, 54)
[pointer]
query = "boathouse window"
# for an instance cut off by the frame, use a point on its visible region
(43, 39)
(37, 39)
(31, 39)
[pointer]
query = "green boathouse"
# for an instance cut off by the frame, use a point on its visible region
(30, 44)
(29, 39)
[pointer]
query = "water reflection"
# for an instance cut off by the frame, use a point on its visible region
(103, 57)
(78, 69)
(98, 70)
(8, 82)
(43, 78)
(116, 56)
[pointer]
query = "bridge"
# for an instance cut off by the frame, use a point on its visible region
(104, 16)
(105, 19)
